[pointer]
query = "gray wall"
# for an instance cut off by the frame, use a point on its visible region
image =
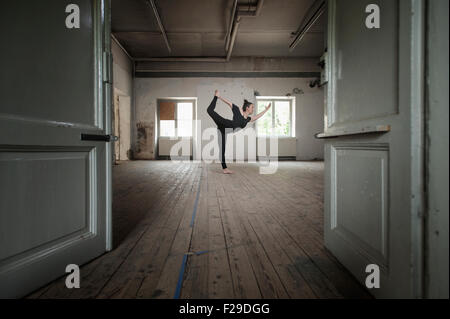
(236, 64)
(437, 166)
(309, 105)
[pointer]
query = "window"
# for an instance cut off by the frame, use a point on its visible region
(184, 119)
(175, 118)
(278, 121)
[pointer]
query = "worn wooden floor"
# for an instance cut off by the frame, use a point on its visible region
(188, 231)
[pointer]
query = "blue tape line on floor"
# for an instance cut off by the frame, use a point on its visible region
(183, 263)
(180, 278)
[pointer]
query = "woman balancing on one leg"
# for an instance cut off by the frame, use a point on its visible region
(240, 119)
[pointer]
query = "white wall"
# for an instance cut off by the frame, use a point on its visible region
(123, 93)
(184, 146)
(309, 106)
(122, 70)
(309, 114)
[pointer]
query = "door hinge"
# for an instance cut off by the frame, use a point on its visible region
(107, 67)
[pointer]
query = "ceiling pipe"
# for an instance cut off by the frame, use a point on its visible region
(315, 12)
(233, 37)
(161, 27)
(237, 20)
(230, 28)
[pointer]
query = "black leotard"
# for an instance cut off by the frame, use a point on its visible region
(222, 124)
(238, 120)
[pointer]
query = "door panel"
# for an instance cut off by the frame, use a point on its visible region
(370, 176)
(22, 173)
(355, 99)
(37, 41)
(54, 187)
(361, 172)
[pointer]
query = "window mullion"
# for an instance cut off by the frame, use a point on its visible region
(176, 119)
(290, 118)
(273, 117)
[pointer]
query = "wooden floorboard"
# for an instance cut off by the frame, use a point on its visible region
(220, 282)
(142, 269)
(300, 222)
(244, 282)
(195, 281)
(185, 230)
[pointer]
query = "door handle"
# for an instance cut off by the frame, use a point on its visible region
(99, 137)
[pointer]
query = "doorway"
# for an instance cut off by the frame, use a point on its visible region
(198, 233)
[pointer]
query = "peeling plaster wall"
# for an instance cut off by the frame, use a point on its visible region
(309, 106)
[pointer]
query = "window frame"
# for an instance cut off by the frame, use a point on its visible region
(273, 99)
(176, 101)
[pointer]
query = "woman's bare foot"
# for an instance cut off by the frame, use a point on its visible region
(216, 93)
(227, 171)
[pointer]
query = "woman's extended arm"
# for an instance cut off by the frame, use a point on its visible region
(225, 101)
(257, 116)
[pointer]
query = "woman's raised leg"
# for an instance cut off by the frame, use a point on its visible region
(219, 120)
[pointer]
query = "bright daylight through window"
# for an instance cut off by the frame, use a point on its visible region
(278, 120)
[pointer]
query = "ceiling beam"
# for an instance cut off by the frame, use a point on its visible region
(182, 59)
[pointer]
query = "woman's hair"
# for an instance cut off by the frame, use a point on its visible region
(246, 105)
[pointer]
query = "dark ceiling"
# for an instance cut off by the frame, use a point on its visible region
(198, 28)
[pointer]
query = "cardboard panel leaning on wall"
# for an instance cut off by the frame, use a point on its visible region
(166, 111)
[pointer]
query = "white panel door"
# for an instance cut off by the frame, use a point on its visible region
(373, 152)
(54, 186)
